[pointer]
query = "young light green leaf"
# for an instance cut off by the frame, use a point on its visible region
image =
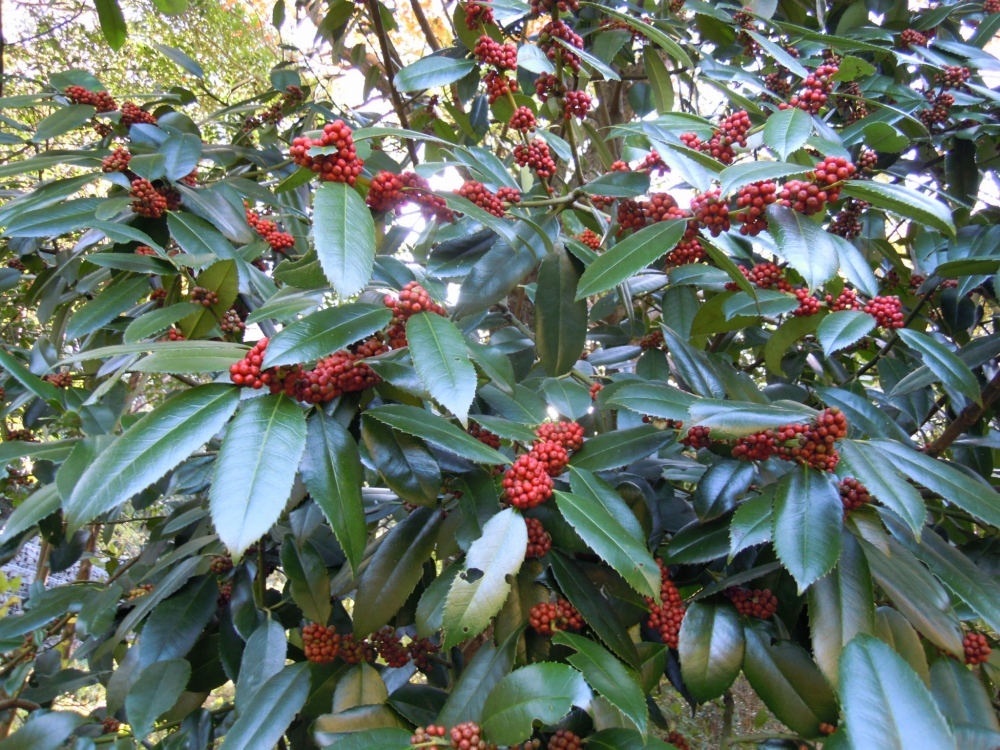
(255, 469)
(494, 559)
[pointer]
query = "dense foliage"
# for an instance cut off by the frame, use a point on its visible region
(633, 342)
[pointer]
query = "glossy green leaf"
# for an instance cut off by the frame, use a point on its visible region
(222, 278)
(430, 72)
(655, 400)
(40, 504)
(44, 731)
(617, 185)
(157, 321)
(952, 371)
(325, 332)
(64, 119)
(105, 307)
(361, 686)
(629, 256)
(175, 625)
(263, 658)
(711, 647)
(751, 524)
(693, 366)
(664, 42)
(436, 431)
(744, 173)
(620, 448)
(961, 696)
(495, 559)
(840, 329)
(612, 543)
(721, 487)
(787, 131)
(394, 570)
(154, 445)
(308, 581)
(181, 154)
(879, 475)
(154, 693)
(480, 676)
(256, 468)
(332, 471)
(344, 237)
(588, 485)
(442, 362)
(907, 202)
(789, 683)
(544, 692)
(41, 388)
(560, 319)
(182, 60)
(884, 702)
(741, 418)
(841, 605)
(268, 714)
(405, 463)
(608, 676)
(807, 523)
(803, 243)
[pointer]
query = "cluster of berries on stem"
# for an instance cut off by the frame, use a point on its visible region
(666, 617)
(547, 617)
(753, 603)
(268, 230)
(321, 644)
(342, 165)
(977, 648)
(811, 444)
(853, 494)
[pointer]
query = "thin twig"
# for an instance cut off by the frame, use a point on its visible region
(18, 703)
(969, 416)
(397, 103)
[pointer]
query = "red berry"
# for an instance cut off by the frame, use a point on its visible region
(146, 199)
(535, 155)
(387, 644)
(547, 618)
(476, 192)
(912, 38)
(756, 603)
(386, 192)
(751, 202)
(343, 165)
(887, 311)
(500, 56)
(977, 649)
(523, 119)
(478, 12)
(711, 212)
(590, 239)
(568, 434)
(853, 494)
(117, 162)
(539, 541)
(321, 644)
(133, 114)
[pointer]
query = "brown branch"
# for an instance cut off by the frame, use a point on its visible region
(18, 703)
(425, 26)
(969, 416)
(397, 104)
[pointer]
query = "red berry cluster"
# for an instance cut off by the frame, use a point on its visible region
(204, 297)
(498, 86)
(173, 335)
(17, 265)
(60, 379)
(887, 311)
(977, 649)
(568, 434)
(432, 207)
(953, 77)
(804, 197)
(527, 483)
(171, 195)
(678, 740)
(847, 223)
(732, 130)
(846, 300)
(751, 202)
(145, 250)
(133, 114)
(386, 192)
(547, 618)
(810, 444)
(595, 388)
(777, 83)
(589, 238)
(343, 165)
(577, 103)
(814, 91)
(631, 216)
(355, 652)
(687, 251)
(24, 436)
(102, 101)
(421, 650)
(523, 119)
(691, 140)
(558, 29)
(757, 603)
(535, 155)
(768, 275)
(652, 162)
(220, 564)
(232, 323)
(342, 372)
(666, 617)
(387, 644)
(424, 736)
(711, 212)
(552, 456)
(484, 436)
(468, 736)
(619, 166)
(247, 371)
(652, 340)
(146, 199)
(491, 52)
(509, 195)
(110, 725)
(476, 192)
(564, 739)
(698, 437)
(808, 305)
(157, 295)
(268, 230)
(940, 109)
(661, 207)
(830, 172)
(912, 38)
(321, 644)
(539, 540)
(867, 161)
(547, 85)
(478, 12)
(853, 494)
(990, 7)
(117, 161)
